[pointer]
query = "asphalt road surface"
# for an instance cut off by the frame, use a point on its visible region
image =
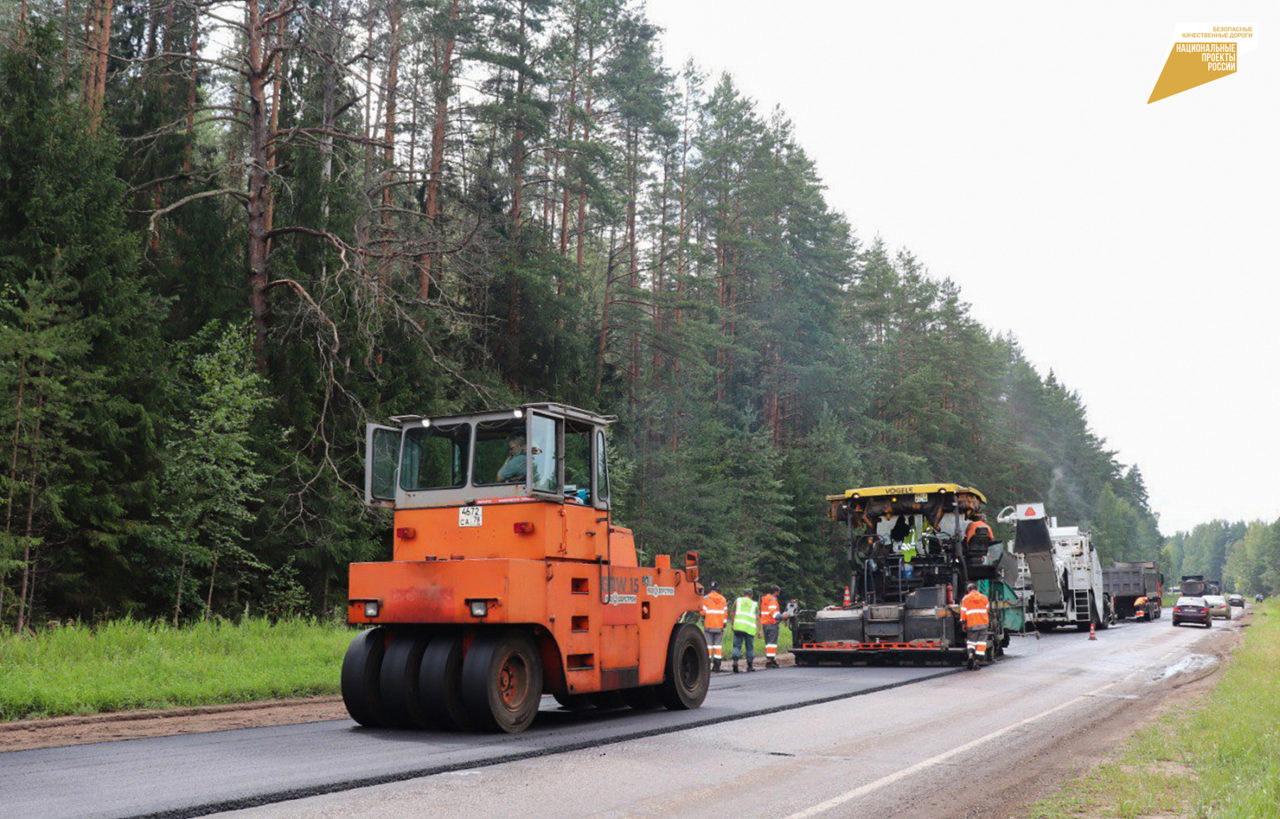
(851, 741)
(200, 773)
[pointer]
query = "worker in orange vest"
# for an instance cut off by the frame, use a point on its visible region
(769, 615)
(975, 613)
(978, 532)
(715, 610)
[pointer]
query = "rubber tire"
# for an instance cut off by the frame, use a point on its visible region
(574, 702)
(688, 672)
(440, 684)
(644, 698)
(482, 667)
(361, 667)
(399, 681)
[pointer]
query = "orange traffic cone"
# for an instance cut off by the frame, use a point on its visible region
(848, 601)
(1093, 635)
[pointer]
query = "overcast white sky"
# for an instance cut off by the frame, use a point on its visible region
(1131, 248)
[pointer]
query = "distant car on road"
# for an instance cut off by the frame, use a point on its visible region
(1235, 600)
(1191, 610)
(1218, 606)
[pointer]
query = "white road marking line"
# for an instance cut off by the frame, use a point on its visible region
(837, 801)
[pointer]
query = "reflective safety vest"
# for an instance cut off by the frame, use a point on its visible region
(769, 610)
(715, 610)
(745, 614)
(973, 610)
(976, 526)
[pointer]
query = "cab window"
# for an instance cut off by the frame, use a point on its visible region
(602, 470)
(435, 457)
(542, 452)
(577, 462)
(502, 453)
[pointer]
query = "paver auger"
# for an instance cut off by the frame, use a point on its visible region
(509, 580)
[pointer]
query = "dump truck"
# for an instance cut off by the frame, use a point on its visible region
(1060, 578)
(1128, 583)
(1194, 585)
(910, 566)
(509, 579)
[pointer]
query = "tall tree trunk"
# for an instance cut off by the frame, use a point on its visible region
(603, 345)
(633, 260)
(258, 194)
(517, 142)
(104, 47)
(328, 113)
(182, 579)
(580, 227)
(683, 240)
(88, 63)
(389, 134)
(191, 93)
(660, 264)
(439, 125)
(573, 102)
(66, 55)
(13, 458)
(213, 574)
(368, 91)
(153, 25)
(277, 68)
(28, 551)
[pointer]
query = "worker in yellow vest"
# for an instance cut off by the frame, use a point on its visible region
(975, 612)
(715, 610)
(746, 625)
(769, 614)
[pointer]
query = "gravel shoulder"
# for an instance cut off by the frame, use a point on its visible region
(47, 733)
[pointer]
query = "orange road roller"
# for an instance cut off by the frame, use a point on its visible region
(508, 580)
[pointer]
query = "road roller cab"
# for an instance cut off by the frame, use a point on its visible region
(508, 579)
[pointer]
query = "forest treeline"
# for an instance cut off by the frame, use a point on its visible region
(1244, 555)
(233, 233)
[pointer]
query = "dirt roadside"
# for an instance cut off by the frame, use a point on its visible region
(47, 733)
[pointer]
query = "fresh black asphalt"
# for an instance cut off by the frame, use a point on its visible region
(198, 774)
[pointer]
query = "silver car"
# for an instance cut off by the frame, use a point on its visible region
(1218, 606)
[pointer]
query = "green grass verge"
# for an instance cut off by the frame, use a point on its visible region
(1218, 756)
(126, 665)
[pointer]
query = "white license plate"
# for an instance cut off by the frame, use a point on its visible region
(470, 516)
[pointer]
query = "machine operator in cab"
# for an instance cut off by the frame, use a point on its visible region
(978, 532)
